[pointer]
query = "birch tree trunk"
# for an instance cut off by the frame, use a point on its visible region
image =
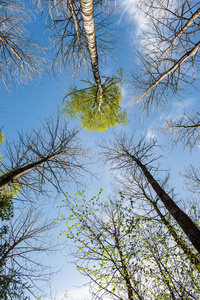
(87, 10)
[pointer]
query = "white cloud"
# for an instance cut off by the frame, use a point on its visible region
(143, 21)
(76, 293)
(130, 7)
(79, 293)
(150, 134)
(177, 109)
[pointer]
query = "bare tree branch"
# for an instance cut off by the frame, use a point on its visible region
(124, 155)
(184, 130)
(169, 52)
(26, 238)
(52, 155)
(19, 55)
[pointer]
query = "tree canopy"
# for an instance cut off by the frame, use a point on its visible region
(110, 244)
(96, 113)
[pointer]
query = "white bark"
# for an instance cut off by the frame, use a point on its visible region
(87, 10)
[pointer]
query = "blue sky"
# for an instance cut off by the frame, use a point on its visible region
(26, 105)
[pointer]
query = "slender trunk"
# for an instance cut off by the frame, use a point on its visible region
(74, 16)
(187, 55)
(163, 273)
(125, 271)
(187, 225)
(8, 178)
(87, 10)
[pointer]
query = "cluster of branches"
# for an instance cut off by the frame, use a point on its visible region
(52, 154)
(140, 245)
(68, 35)
(127, 254)
(19, 54)
(22, 243)
(169, 60)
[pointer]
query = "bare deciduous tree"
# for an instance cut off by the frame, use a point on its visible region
(22, 243)
(52, 154)
(169, 61)
(192, 176)
(184, 130)
(20, 60)
(171, 50)
(124, 156)
(134, 186)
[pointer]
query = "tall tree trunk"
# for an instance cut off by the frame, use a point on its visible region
(87, 10)
(187, 225)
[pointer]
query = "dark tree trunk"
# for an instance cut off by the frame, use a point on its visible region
(187, 225)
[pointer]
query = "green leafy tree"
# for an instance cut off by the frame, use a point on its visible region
(111, 245)
(99, 236)
(94, 112)
(6, 200)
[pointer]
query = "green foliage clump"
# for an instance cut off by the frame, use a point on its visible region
(6, 201)
(7, 194)
(96, 113)
(11, 286)
(126, 255)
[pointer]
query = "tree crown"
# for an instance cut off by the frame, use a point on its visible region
(96, 113)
